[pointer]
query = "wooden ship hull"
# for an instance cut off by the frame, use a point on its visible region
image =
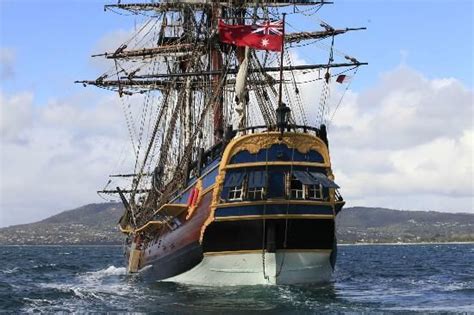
(255, 215)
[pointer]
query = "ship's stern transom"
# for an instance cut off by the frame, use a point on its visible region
(273, 212)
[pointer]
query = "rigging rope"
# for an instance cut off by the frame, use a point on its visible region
(323, 106)
(297, 95)
(344, 93)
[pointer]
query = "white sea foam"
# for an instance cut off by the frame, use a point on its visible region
(7, 271)
(37, 301)
(85, 293)
(44, 265)
(104, 280)
(144, 268)
(92, 288)
(110, 271)
(89, 280)
(103, 273)
(35, 305)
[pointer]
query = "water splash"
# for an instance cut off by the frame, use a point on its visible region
(109, 271)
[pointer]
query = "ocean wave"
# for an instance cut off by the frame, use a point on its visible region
(42, 266)
(366, 281)
(37, 302)
(79, 291)
(459, 309)
(12, 270)
(36, 305)
(460, 286)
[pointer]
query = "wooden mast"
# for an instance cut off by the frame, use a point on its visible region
(216, 65)
(280, 88)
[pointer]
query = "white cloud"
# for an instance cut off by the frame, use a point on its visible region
(406, 143)
(56, 156)
(143, 35)
(15, 115)
(109, 43)
(406, 109)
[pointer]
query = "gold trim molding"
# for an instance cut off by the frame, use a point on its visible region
(302, 142)
(275, 217)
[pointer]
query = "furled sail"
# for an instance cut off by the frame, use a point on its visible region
(241, 92)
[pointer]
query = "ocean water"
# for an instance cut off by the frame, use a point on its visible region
(396, 279)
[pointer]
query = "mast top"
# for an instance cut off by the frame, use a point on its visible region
(176, 4)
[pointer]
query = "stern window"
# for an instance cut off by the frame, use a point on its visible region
(256, 193)
(235, 193)
(296, 189)
(315, 192)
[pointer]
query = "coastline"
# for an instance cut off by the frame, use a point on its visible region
(61, 245)
(345, 244)
(418, 243)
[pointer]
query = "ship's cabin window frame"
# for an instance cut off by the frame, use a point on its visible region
(236, 193)
(315, 192)
(296, 188)
(295, 192)
(255, 193)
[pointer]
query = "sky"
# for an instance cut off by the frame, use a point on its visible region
(402, 137)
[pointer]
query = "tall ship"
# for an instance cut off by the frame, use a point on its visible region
(231, 182)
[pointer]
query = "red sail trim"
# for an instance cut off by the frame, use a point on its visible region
(264, 36)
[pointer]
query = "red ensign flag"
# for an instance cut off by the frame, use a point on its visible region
(266, 35)
(343, 78)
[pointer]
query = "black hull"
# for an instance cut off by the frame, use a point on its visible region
(279, 234)
(246, 235)
(173, 264)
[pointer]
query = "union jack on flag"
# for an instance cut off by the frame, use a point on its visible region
(268, 28)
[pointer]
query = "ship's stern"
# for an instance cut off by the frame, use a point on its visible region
(272, 218)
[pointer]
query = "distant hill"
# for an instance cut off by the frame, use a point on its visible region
(95, 215)
(90, 224)
(96, 224)
(379, 225)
